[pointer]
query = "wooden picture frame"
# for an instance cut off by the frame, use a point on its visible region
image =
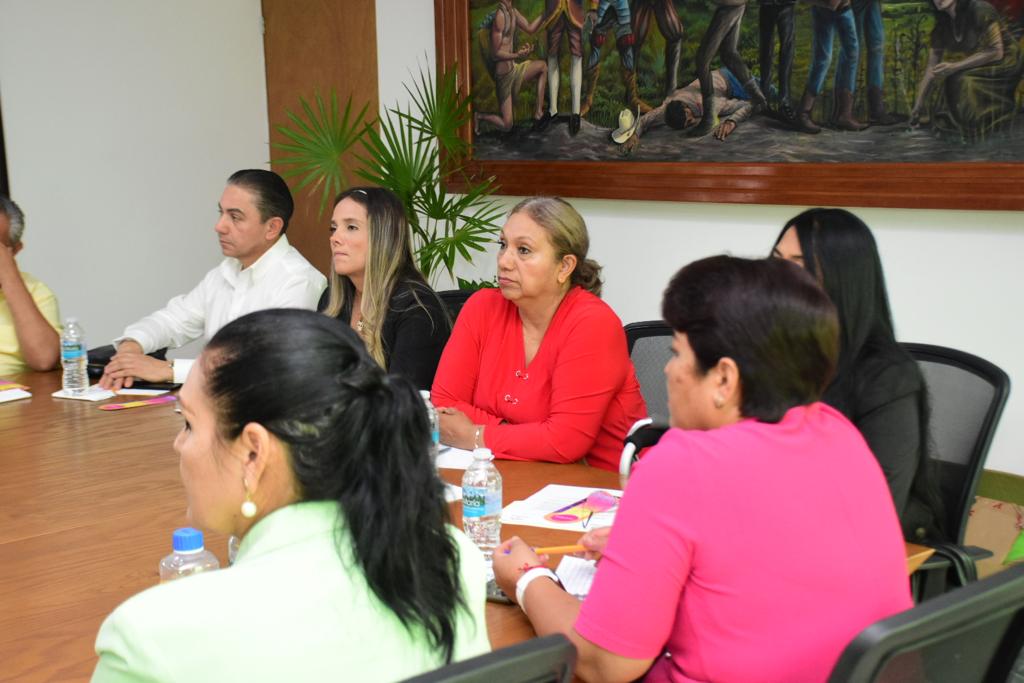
(961, 185)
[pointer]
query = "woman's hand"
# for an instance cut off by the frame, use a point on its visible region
(511, 560)
(944, 69)
(595, 541)
(456, 429)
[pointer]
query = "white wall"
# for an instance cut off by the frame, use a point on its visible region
(955, 277)
(122, 120)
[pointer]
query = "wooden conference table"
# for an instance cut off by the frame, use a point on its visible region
(88, 501)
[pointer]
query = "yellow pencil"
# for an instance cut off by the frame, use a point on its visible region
(560, 550)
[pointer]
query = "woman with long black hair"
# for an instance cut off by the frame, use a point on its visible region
(878, 386)
(304, 448)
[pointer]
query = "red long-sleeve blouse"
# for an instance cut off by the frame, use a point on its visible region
(577, 398)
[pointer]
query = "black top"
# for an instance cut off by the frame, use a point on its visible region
(413, 335)
(890, 410)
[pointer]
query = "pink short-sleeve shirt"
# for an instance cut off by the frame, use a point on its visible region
(754, 552)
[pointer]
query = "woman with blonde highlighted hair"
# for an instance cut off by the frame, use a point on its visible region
(376, 288)
(537, 369)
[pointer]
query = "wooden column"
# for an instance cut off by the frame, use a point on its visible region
(311, 46)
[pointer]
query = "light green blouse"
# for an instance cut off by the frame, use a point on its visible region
(291, 608)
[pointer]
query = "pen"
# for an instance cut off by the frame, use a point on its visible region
(136, 404)
(560, 550)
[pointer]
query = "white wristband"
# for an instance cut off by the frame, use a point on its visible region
(527, 578)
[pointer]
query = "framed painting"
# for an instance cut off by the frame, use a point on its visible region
(916, 105)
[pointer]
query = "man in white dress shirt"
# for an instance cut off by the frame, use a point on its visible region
(261, 271)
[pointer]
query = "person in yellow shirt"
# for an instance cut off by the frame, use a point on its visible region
(29, 321)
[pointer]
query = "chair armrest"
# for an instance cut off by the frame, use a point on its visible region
(643, 434)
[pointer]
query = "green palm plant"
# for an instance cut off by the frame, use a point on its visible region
(318, 140)
(410, 152)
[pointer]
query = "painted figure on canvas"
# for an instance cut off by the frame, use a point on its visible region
(977, 94)
(683, 110)
(721, 39)
(613, 17)
(565, 18)
(670, 26)
(508, 67)
(911, 81)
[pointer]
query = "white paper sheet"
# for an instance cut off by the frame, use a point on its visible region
(531, 512)
(13, 395)
(95, 393)
(576, 575)
(452, 493)
(454, 458)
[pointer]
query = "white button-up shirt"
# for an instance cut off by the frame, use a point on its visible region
(281, 278)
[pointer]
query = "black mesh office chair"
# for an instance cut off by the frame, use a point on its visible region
(550, 659)
(970, 634)
(967, 395)
(454, 299)
(649, 345)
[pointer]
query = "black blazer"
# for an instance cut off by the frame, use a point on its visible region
(413, 335)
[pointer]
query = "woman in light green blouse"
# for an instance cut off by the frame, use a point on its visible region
(298, 443)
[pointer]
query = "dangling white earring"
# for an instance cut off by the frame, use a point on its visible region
(249, 508)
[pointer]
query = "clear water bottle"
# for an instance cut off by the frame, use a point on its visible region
(74, 358)
(189, 556)
(435, 425)
(233, 544)
(481, 502)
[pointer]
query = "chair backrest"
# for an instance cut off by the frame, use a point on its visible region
(967, 395)
(454, 299)
(974, 633)
(649, 345)
(550, 659)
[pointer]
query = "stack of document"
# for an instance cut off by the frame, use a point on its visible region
(576, 575)
(12, 391)
(452, 458)
(567, 508)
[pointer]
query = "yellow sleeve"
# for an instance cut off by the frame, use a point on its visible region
(46, 302)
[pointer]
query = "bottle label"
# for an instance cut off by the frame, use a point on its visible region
(71, 350)
(436, 436)
(477, 501)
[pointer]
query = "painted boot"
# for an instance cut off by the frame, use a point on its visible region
(633, 100)
(708, 119)
(803, 122)
(844, 112)
(757, 97)
(877, 115)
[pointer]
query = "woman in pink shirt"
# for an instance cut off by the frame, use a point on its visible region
(537, 369)
(758, 537)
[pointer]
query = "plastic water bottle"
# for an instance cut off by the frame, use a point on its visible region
(481, 502)
(234, 543)
(435, 425)
(189, 556)
(74, 358)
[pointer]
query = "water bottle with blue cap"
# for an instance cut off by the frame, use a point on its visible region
(189, 556)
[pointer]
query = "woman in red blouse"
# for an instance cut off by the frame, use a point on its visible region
(537, 369)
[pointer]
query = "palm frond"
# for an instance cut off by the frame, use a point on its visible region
(319, 137)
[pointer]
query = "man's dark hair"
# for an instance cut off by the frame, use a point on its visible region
(769, 316)
(675, 115)
(271, 193)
